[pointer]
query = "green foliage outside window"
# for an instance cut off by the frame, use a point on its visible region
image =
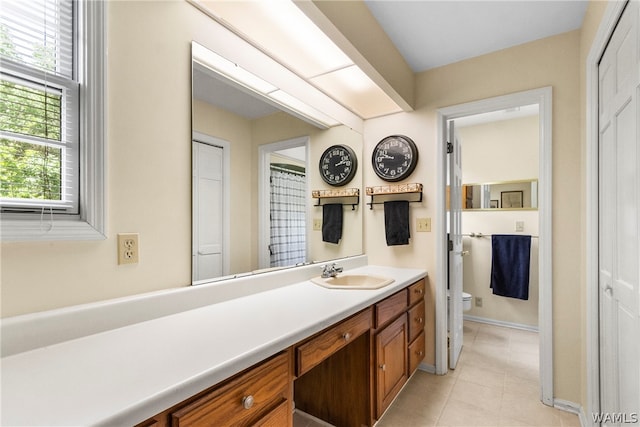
(29, 168)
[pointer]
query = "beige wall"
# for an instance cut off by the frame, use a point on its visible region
(511, 70)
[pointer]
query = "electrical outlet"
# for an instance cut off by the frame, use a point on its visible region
(424, 224)
(478, 302)
(519, 226)
(317, 224)
(128, 248)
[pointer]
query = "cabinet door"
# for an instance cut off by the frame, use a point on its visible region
(391, 363)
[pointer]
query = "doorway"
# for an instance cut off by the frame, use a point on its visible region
(283, 211)
(542, 98)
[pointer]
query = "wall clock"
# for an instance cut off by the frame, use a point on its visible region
(338, 165)
(394, 158)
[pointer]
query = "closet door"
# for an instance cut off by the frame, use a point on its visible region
(208, 208)
(619, 201)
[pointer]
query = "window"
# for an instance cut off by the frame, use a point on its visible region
(51, 119)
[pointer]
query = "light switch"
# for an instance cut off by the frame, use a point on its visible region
(317, 224)
(424, 224)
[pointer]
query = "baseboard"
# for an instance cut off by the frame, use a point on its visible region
(501, 323)
(574, 408)
(427, 368)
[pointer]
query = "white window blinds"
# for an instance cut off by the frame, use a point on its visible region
(39, 106)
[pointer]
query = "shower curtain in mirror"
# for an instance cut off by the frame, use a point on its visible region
(288, 209)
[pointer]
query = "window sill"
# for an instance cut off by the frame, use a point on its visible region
(20, 230)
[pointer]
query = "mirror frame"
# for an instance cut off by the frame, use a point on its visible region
(500, 209)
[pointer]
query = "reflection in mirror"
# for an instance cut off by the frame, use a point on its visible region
(501, 195)
(241, 144)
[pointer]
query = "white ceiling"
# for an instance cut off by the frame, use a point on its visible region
(431, 33)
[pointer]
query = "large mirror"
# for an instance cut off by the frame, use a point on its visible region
(254, 169)
(506, 195)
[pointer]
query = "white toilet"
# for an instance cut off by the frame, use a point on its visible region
(466, 301)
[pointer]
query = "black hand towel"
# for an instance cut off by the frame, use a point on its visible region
(396, 222)
(332, 222)
(510, 265)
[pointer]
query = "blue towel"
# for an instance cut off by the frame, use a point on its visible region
(510, 256)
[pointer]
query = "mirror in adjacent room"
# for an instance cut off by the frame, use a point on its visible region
(521, 194)
(242, 143)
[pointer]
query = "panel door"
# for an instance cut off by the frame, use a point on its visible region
(456, 252)
(207, 211)
(619, 196)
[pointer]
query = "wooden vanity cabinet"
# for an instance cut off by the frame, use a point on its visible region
(416, 320)
(259, 396)
(391, 362)
(348, 374)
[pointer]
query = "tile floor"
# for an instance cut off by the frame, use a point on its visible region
(494, 384)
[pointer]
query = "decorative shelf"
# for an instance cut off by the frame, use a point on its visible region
(337, 194)
(391, 189)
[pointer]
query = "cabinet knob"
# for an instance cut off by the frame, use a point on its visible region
(418, 291)
(419, 353)
(383, 367)
(346, 336)
(247, 402)
(419, 319)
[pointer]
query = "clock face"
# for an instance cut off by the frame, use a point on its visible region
(394, 158)
(338, 165)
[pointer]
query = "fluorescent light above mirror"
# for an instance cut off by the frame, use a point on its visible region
(283, 32)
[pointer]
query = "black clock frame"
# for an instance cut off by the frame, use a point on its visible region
(354, 165)
(405, 173)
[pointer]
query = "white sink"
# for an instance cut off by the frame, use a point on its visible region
(353, 281)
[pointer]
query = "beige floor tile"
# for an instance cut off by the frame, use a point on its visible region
(529, 411)
(460, 413)
(487, 398)
(489, 377)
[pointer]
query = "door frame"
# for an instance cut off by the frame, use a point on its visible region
(605, 30)
(542, 97)
(264, 207)
(201, 138)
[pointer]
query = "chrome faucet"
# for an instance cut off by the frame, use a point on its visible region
(330, 270)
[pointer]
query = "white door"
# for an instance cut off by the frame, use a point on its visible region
(455, 248)
(207, 211)
(619, 200)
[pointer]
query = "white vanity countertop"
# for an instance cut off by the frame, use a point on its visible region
(126, 375)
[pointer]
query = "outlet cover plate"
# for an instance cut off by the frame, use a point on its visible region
(128, 248)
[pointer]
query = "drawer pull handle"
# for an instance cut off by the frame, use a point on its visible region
(418, 291)
(383, 367)
(346, 336)
(247, 402)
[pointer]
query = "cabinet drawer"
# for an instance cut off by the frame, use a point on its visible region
(389, 308)
(416, 320)
(416, 352)
(279, 417)
(331, 340)
(242, 401)
(416, 292)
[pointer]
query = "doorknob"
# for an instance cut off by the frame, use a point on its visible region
(608, 289)
(462, 253)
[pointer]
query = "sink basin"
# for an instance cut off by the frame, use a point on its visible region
(353, 281)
